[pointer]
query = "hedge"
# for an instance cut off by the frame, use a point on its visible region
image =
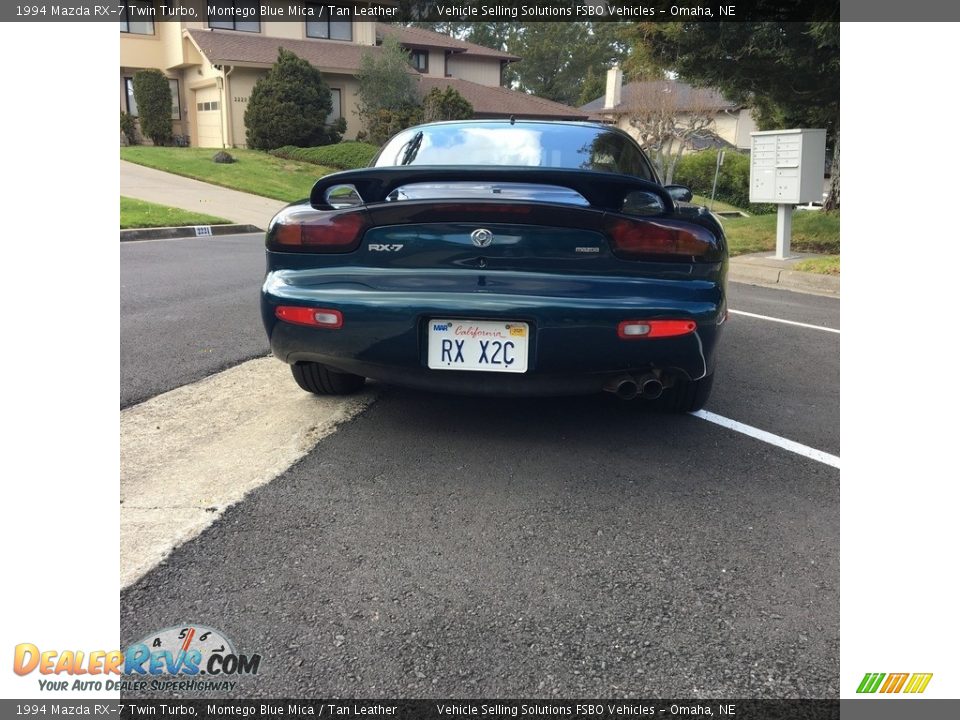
(733, 184)
(344, 156)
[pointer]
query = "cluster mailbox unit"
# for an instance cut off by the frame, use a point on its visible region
(786, 168)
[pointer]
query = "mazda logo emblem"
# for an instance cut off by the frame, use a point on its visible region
(481, 237)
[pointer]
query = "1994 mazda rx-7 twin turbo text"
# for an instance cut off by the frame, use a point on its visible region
(500, 258)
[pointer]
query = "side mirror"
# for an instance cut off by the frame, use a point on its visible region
(680, 193)
(639, 202)
(343, 196)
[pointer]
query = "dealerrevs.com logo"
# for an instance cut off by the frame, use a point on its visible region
(176, 659)
(911, 683)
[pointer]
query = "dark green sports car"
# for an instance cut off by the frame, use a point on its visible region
(500, 257)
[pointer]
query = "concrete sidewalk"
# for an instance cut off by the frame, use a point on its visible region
(763, 269)
(143, 183)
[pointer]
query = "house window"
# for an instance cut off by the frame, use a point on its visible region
(242, 15)
(335, 113)
(136, 17)
(420, 59)
(174, 97)
(335, 25)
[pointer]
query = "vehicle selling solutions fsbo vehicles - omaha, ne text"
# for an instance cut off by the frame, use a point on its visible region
(500, 258)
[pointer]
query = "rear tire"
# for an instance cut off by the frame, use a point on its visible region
(321, 380)
(686, 395)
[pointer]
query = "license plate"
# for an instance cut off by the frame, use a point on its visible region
(478, 345)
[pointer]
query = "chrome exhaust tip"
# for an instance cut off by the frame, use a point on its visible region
(624, 387)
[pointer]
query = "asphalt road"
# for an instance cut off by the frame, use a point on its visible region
(188, 308)
(457, 547)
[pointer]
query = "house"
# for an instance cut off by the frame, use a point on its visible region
(212, 66)
(723, 123)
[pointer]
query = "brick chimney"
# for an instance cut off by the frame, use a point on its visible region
(614, 87)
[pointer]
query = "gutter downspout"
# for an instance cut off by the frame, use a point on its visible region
(228, 107)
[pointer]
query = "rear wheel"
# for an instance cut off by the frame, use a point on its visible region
(321, 380)
(686, 395)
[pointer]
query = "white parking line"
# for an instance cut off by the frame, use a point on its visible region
(785, 322)
(781, 442)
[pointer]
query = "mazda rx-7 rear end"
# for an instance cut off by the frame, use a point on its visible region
(500, 258)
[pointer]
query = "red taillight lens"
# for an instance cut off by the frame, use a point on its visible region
(633, 239)
(642, 329)
(313, 317)
(318, 231)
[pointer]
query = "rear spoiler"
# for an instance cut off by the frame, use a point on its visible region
(604, 191)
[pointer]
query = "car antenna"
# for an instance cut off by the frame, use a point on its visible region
(513, 119)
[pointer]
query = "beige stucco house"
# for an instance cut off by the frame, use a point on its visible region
(213, 65)
(724, 123)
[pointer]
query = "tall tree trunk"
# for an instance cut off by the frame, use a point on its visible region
(833, 194)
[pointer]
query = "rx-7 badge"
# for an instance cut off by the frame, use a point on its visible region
(378, 247)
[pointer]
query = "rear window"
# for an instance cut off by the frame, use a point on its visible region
(520, 145)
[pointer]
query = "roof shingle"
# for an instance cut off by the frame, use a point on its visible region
(686, 97)
(502, 102)
(250, 49)
(419, 37)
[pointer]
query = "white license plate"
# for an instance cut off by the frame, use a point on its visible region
(477, 345)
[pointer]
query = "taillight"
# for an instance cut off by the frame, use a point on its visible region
(632, 239)
(639, 329)
(312, 230)
(313, 317)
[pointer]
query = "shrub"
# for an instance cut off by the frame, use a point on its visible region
(151, 91)
(289, 106)
(387, 93)
(733, 184)
(128, 126)
(343, 156)
(384, 124)
(446, 104)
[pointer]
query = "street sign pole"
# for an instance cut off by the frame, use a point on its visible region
(716, 174)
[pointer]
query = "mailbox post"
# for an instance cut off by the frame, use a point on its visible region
(786, 168)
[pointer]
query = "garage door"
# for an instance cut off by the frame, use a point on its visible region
(209, 126)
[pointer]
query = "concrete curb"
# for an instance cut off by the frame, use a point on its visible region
(188, 231)
(784, 279)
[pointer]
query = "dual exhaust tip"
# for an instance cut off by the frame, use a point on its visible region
(628, 387)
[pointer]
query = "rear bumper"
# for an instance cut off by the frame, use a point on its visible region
(574, 347)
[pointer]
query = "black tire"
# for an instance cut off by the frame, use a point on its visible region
(321, 380)
(686, 395)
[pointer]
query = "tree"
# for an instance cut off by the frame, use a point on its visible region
(387, 94)
(446, 104)
(289, 105)
(789, 73)
(557, 56)
(667, 121)
(151, 92)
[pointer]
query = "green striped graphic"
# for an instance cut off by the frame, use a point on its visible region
(870, 682)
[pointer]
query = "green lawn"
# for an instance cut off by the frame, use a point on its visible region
(141, 214)
(813, 231)
(826, 265)
(254, 172)
(717, 206)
